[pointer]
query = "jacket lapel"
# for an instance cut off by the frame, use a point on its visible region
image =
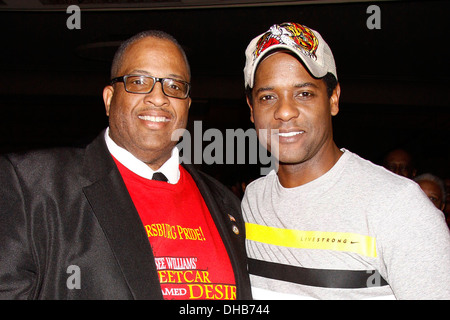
(120, 221)
(219, 212)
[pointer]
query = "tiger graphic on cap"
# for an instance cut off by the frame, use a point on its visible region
(292, 34)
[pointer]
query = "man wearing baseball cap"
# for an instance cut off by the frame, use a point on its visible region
(328, 224)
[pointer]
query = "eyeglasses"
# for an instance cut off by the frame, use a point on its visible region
(144, 84)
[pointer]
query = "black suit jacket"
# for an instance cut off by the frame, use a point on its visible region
(70, 207)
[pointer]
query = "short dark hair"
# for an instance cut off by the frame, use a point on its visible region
(118, 57)
(331, 83)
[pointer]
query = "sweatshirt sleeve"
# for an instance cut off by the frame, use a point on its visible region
(415, 245)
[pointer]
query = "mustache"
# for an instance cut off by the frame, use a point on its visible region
(155, 109)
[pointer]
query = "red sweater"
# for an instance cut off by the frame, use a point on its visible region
(190, 257)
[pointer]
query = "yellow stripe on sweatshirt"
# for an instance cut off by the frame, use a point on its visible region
(337, 241)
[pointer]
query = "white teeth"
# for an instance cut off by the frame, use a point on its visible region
(290, 134)
(153, 118)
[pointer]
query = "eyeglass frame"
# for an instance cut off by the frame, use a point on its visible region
(155, 80)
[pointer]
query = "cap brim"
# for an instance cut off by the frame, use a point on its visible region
(313, 68)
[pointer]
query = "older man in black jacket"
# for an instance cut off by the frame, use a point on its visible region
(92, 224)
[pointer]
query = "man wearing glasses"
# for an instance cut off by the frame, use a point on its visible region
(122, 219)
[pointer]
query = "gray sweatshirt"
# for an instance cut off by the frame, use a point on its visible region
(357, 232)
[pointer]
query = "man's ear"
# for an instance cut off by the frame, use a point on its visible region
(252, 119)
(190, 101)
(108, 93)
(334, 100)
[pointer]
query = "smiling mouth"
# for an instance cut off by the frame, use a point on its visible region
(154, 118)
(290, 134)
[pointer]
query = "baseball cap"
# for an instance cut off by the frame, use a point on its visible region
(307, 44)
